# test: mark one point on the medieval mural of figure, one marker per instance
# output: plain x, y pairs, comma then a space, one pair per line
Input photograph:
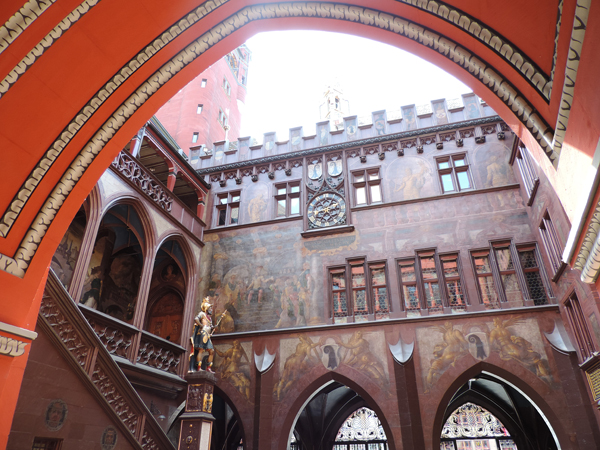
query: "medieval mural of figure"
446, 353
361, 357
513, 347
497, 172
297, 364
412, 183
256, 288
201, 336
235, 369
256, 209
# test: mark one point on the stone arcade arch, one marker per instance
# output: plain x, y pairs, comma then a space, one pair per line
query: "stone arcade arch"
455, 396
325, 384
55, 65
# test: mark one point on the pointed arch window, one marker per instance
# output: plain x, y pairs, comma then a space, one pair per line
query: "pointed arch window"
471, 427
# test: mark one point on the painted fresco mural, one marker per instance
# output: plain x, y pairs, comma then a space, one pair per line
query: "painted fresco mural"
296, 139
67, 252
323, 134
491, 166
512, 338
439, 111
264, 278
360, 350
233, 365
409, 117
379, 124
409, 178
472, 109
351, 129
258, 193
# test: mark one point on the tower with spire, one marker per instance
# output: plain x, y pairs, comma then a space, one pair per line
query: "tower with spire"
335, 106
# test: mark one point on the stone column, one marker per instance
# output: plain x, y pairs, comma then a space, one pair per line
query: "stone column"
197, 420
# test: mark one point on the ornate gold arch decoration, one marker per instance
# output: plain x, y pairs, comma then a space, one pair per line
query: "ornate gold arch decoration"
395, 24
20, 20
492, 39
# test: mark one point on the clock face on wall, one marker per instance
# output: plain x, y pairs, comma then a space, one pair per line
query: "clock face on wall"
326, 210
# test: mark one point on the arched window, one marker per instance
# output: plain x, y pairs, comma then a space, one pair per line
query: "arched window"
361, 431
472, 427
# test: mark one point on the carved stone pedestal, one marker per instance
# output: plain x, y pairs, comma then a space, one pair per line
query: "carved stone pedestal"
197, 420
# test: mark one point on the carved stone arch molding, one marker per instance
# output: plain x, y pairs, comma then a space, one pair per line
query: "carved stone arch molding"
402, 28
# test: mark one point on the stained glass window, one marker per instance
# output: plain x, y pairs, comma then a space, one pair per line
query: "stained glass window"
472, 427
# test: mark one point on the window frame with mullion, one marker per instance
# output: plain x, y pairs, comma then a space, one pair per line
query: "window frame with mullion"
430, 253
287, 197
332, 271
228, 206
516, 270
532, 246
453, 171
402, 283
454, 256
473, 255
367, 185
552, 245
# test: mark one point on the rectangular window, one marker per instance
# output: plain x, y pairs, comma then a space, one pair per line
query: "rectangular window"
533, 278
228, 208
46, 444
454, 290
226, 86
195, 137
410, 293
585, 344
431, 287
287, 199
367, 187
338, 294
203, 83
359, 289
508, 274
485, 279
454, 173
223, 118
552, 246
530, 179
199, 109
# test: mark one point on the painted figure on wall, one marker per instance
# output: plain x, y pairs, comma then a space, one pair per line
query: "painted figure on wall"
413, 182
235, 368
513, 347
441, 117
471, 107
409, 118
201, 337
296, 139
452, 347
379, 124
315, 171
361, 357
351, 129
297, 364
269, 143
497, 172
256, 209
324, 134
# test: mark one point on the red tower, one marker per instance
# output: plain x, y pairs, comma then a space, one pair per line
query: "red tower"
209, 109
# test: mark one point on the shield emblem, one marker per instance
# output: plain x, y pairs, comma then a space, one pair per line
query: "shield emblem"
315, 171
331, 356
334, 167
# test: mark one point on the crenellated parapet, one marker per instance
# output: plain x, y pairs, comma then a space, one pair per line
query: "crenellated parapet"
354, 128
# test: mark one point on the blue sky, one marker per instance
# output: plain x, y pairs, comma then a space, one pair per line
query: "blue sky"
290, 69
